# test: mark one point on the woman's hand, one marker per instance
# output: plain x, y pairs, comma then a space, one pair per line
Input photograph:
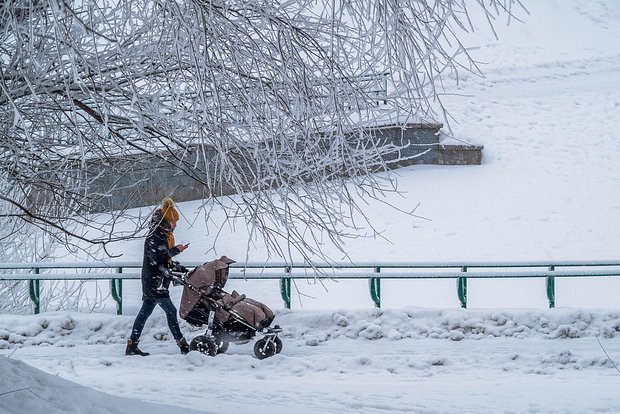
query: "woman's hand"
182, 247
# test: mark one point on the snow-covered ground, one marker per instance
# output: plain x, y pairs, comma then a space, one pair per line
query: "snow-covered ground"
548, 115
367, 361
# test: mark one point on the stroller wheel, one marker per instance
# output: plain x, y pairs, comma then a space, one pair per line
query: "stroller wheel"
204, 344
278, 343
222, 346
264, 349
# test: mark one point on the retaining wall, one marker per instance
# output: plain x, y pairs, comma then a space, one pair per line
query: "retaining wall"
152, 180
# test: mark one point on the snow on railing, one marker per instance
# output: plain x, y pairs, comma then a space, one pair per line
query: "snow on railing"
116, 272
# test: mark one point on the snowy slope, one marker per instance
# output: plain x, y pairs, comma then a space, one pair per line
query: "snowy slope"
548, 115
24, 389
547, 112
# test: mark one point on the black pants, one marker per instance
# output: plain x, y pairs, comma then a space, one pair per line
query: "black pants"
148, 304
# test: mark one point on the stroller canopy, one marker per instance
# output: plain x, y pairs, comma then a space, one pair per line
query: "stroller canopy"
205, 278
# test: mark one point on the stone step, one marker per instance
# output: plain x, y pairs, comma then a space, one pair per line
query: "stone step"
421, 145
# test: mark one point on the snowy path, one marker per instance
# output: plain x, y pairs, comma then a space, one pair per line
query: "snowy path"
422, 362
347, 376
567, 76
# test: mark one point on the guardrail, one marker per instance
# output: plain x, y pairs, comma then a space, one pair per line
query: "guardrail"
374, 272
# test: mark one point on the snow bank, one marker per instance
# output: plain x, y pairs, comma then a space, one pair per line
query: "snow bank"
63, 329
25, 389
453, 325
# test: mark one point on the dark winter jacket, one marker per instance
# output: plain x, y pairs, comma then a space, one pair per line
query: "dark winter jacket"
157, 259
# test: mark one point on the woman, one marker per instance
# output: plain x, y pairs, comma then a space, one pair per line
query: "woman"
159, 248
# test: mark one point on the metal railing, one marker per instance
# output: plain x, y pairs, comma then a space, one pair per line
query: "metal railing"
374, 272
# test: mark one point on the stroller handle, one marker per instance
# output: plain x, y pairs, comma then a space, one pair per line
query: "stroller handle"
173, 274
178, 278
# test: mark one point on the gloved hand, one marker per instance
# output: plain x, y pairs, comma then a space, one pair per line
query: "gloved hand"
178, 267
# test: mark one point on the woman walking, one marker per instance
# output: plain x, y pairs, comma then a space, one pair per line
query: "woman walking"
159, 249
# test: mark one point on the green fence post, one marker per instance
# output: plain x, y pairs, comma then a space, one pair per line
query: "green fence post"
116, 288
375, 288
285, 288
461, 284
551, 288
35, 292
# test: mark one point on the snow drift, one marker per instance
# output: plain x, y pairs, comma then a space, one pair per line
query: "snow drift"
24, 389
64, 329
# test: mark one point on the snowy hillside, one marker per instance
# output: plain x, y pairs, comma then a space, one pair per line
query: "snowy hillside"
548, 115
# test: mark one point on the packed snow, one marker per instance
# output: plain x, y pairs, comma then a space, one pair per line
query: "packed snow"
408, 360
548, 115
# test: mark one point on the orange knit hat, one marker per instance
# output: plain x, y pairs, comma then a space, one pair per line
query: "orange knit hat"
170, 214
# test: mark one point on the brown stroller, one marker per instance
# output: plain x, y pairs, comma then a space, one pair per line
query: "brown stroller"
230, 317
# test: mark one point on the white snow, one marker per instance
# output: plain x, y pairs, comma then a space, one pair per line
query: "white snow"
548, 115
29, 390
408, 360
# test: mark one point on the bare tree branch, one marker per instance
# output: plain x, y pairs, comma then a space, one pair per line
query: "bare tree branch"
266, 99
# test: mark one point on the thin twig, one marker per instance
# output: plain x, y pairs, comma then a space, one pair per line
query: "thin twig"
11, 392
608, 357
25, 389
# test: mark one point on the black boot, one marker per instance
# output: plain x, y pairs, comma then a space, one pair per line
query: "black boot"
183, 346
132, 348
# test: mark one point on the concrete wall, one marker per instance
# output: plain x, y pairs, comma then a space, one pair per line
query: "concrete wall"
458, 155
150, 179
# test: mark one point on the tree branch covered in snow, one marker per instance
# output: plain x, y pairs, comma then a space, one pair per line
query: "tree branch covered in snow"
269, 99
